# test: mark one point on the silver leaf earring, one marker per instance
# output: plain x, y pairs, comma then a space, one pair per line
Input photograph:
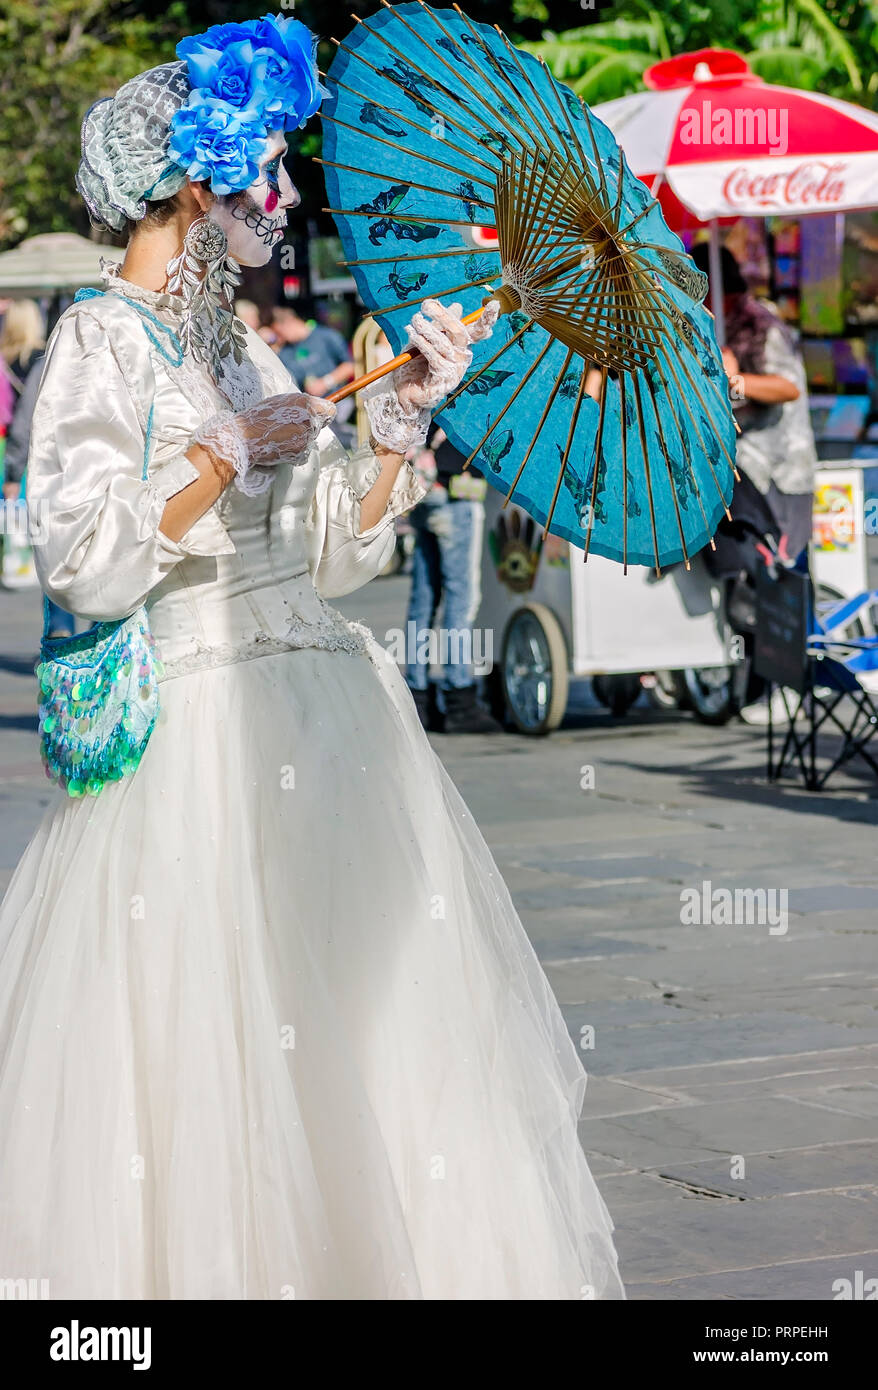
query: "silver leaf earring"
206, 277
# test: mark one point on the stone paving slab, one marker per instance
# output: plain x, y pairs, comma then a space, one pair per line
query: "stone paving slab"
844, 1166
679, 1037
690, 1079
713, 1236
655, 1138
810, 1280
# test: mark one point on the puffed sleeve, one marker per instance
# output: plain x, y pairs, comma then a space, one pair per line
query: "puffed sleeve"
343, 557
98, 548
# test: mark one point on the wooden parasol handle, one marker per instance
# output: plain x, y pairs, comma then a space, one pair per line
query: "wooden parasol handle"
379, 372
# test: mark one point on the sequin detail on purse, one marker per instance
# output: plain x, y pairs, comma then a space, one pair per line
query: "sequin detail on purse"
99, 701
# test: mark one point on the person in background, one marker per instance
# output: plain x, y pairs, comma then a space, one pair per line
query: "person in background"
775, 453
248, 313
22, 344
449, 525
22, 340
319, 359
776, 446
60, 622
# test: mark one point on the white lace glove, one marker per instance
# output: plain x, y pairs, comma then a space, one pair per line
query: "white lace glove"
280, 429
399, 406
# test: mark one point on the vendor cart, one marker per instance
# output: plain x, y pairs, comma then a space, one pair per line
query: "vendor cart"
550, 615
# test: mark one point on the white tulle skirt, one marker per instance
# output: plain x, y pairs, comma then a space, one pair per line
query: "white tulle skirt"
270, 1026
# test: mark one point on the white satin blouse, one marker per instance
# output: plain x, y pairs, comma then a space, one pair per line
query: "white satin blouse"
115, 414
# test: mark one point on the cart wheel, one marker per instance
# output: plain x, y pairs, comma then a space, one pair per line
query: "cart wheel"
534, 668
618, 693
711, 693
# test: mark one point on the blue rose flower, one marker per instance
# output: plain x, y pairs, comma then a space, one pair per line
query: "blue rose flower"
217, 37
238, 74
212, 140
295, 70
285, 86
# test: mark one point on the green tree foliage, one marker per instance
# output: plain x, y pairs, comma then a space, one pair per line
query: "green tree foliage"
825, 45
56, 58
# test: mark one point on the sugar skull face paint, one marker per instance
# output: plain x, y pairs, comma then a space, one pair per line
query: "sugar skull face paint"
254, 220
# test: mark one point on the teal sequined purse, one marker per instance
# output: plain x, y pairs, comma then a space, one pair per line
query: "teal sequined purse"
99, 701
99, 695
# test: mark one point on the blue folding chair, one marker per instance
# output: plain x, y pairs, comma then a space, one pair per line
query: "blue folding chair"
816, 659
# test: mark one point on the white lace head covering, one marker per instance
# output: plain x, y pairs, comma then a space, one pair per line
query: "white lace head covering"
235, 81
125, 138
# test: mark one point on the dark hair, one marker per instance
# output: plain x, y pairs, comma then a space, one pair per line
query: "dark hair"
157, 214
733, 280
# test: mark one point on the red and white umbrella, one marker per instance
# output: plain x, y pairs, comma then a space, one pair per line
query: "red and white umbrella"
712, 139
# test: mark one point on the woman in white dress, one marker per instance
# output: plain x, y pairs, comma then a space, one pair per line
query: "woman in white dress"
269, 1024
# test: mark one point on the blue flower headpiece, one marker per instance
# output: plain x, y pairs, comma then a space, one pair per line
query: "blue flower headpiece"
246, 79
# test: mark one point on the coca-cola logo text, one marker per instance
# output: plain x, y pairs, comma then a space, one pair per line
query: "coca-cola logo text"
817, 183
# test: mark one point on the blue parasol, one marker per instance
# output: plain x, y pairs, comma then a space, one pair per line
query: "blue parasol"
600, 405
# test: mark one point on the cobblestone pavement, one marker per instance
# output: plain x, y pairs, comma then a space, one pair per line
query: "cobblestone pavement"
732, 1108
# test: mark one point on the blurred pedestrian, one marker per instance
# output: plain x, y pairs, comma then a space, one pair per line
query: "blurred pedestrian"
449, 525
776, 446
248, 313
316, 355
22, 344
60, 622
22, 339
776, 455
320, 360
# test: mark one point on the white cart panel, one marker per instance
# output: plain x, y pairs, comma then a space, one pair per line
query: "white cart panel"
612, 622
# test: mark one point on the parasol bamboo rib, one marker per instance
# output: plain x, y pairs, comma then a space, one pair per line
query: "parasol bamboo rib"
653, 203
467, 383
598, 163
597, 464
452, 289
663, 349
426, 255
407, 59
409, 183
574, 421
516, 57
393, 145
542, 226
657, 290
524, 380
547, 407
403, 116
694, 423
522, 70
400, 217
448, 120
656, 313
647, 472
684, 451
528, 142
